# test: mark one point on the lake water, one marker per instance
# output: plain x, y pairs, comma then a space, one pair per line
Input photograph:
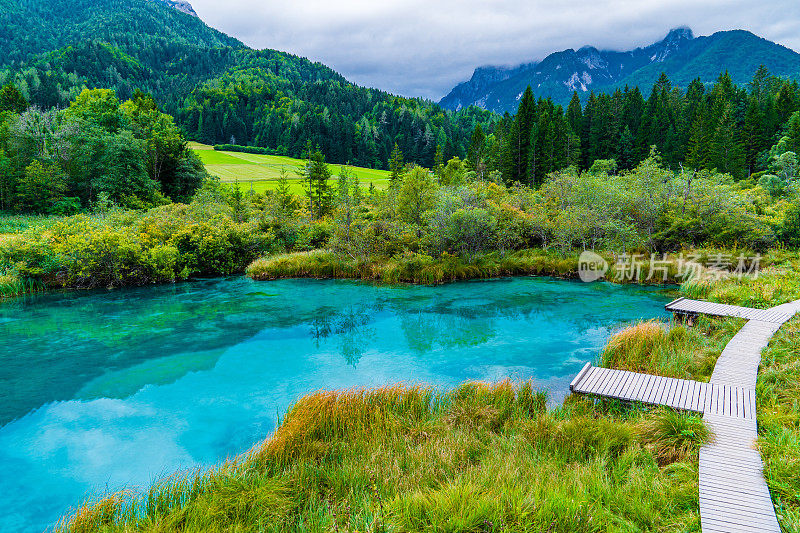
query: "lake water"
106, 390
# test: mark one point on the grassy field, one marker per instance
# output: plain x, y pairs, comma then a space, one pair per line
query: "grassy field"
261, 172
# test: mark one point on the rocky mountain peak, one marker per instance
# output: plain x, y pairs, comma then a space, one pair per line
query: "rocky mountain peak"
181, 5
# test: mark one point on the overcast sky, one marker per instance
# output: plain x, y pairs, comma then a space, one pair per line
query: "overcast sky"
425, 47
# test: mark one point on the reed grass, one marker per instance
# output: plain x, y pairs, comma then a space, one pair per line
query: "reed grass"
671, 349
482, 457
11, 285
778, 404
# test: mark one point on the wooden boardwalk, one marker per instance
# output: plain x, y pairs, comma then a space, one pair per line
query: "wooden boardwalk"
687, 395
733, 493
684, 306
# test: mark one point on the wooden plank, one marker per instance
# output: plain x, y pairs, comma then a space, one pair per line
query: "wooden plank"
627, 393
622, 378
670, 392
590, 379
689, 396
580, 375
662, 388
639, 392
603, 375
611, 376
675, 399
652, 386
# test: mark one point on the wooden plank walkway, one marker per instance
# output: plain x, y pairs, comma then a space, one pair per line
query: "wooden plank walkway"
685, 306
733, 493
683, 394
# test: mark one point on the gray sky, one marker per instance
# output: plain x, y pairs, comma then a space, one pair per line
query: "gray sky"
424, 48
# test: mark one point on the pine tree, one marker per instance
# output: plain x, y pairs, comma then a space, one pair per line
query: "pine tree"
754, 138
726, 154
283, 192
696, 148
438, 160
525, 119
12, 100
475, 151
395, 166
315, 174
588, 149
574, 112
793, 133
625, 157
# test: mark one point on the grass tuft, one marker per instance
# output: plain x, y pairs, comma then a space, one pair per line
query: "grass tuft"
673, 436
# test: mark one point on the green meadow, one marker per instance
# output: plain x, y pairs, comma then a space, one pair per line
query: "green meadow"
259, 172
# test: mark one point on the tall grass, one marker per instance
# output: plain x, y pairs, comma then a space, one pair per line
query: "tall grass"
778, 405
411, 268
670, 349
673, 436
420, 268
482, 457
11, 285
777, 283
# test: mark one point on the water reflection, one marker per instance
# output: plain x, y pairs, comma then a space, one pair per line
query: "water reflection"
103, 390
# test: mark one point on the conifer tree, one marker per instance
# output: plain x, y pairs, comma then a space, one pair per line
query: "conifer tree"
475, 151
395, 166
754, 138
574, 112
526, 117
726, 154
315, 174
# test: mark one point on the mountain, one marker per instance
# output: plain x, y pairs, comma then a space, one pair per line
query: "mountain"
29, 28
182, 6
681, 55
218, 89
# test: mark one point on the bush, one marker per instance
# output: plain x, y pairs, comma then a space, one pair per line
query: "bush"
164, 244
244, 149
673, 436
790, 228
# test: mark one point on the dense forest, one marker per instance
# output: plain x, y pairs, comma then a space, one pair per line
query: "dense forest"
221, 92
735, 130
218, 90
97, 151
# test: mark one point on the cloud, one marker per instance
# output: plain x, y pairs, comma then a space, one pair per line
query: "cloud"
424, 48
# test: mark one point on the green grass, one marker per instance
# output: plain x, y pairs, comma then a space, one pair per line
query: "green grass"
411, 267
778, 404
259, 172
671, 350
777, 283
480, 458
14, 224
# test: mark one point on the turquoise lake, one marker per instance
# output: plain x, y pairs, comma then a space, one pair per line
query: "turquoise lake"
105, 390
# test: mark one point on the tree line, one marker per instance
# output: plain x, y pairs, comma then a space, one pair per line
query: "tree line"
724, 127
96, 151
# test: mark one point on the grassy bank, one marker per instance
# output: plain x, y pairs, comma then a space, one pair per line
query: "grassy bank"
479, 458
779, 422
412, 268
421, 268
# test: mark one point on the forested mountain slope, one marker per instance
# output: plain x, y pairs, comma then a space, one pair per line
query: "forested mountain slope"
218, 89
680, 55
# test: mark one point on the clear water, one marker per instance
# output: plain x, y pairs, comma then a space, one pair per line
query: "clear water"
107, 390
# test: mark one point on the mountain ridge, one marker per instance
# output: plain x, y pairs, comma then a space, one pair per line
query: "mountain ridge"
680, 54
